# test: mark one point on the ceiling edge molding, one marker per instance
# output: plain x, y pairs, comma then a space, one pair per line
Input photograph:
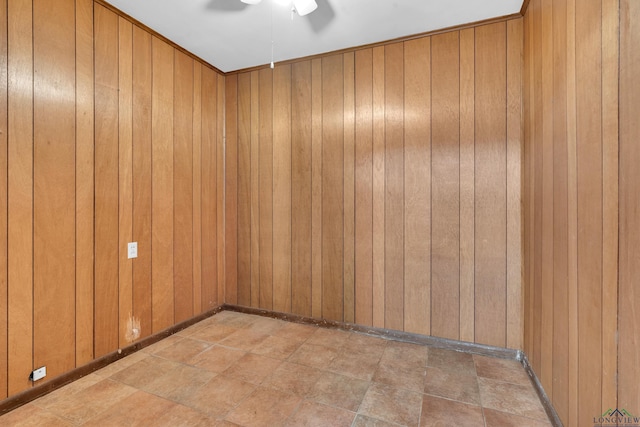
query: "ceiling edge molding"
156, 34
503, 18
474, 24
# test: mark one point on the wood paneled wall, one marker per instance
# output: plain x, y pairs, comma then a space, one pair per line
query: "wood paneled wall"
382, 186
107, 135
571, 203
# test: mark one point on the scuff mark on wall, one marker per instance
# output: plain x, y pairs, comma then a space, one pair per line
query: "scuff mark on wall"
133, 328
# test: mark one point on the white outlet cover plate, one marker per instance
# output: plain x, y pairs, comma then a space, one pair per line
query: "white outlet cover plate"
132, 250
39, 373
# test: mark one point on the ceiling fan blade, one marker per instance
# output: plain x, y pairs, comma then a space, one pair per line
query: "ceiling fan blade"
251, 1
304, 7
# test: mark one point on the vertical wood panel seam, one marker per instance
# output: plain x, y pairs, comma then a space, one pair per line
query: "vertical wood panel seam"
372, 191
321, 163
119, 189
290, 225
193, 212
131, 236
93, 47
251, 230
173, 186
459, 184
150, 93
602, 207
403, 182
75, 187
572, 95
404, 190
431, 185
33, 191
273, 181
6, 272
343, 179
475, 198
506, 184
578, 239
237, 142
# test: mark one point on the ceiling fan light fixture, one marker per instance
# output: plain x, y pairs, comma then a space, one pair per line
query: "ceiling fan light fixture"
304, 7
251, 1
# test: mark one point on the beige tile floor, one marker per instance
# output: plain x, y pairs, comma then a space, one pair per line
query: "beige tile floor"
237, 369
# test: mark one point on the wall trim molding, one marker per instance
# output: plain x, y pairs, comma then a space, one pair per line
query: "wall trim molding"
27, 396
390, 334
460, 27
546, 402
154, 33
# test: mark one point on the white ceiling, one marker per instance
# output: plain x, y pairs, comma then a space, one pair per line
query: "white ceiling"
231, 35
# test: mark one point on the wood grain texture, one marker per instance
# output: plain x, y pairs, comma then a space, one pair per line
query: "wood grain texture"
106, 181
231, 190
4, 308
282, 207
162, 196
610, 186
255, 189
78, 116
515, 329
333, 187
265, 158
571, 132
301, 194
589, 180
467, 185
417, 186
84, 182
142, 131
572, 178
537, 184
244, 208
183, 187
20, 199
378, 283
209, 265
197, 187
360, 183
219, 185
560, 217
125, 176
547, 208
445, 184
527, 187
316, 188
349, 187
394, 186
490, 208
364, 187
629, 294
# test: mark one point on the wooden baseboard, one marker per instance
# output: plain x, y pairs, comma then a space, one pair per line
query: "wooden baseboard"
467, 347
27, 396
546, 403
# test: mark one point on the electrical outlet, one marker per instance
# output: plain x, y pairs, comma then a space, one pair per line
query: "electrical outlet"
38, 374
132, 250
